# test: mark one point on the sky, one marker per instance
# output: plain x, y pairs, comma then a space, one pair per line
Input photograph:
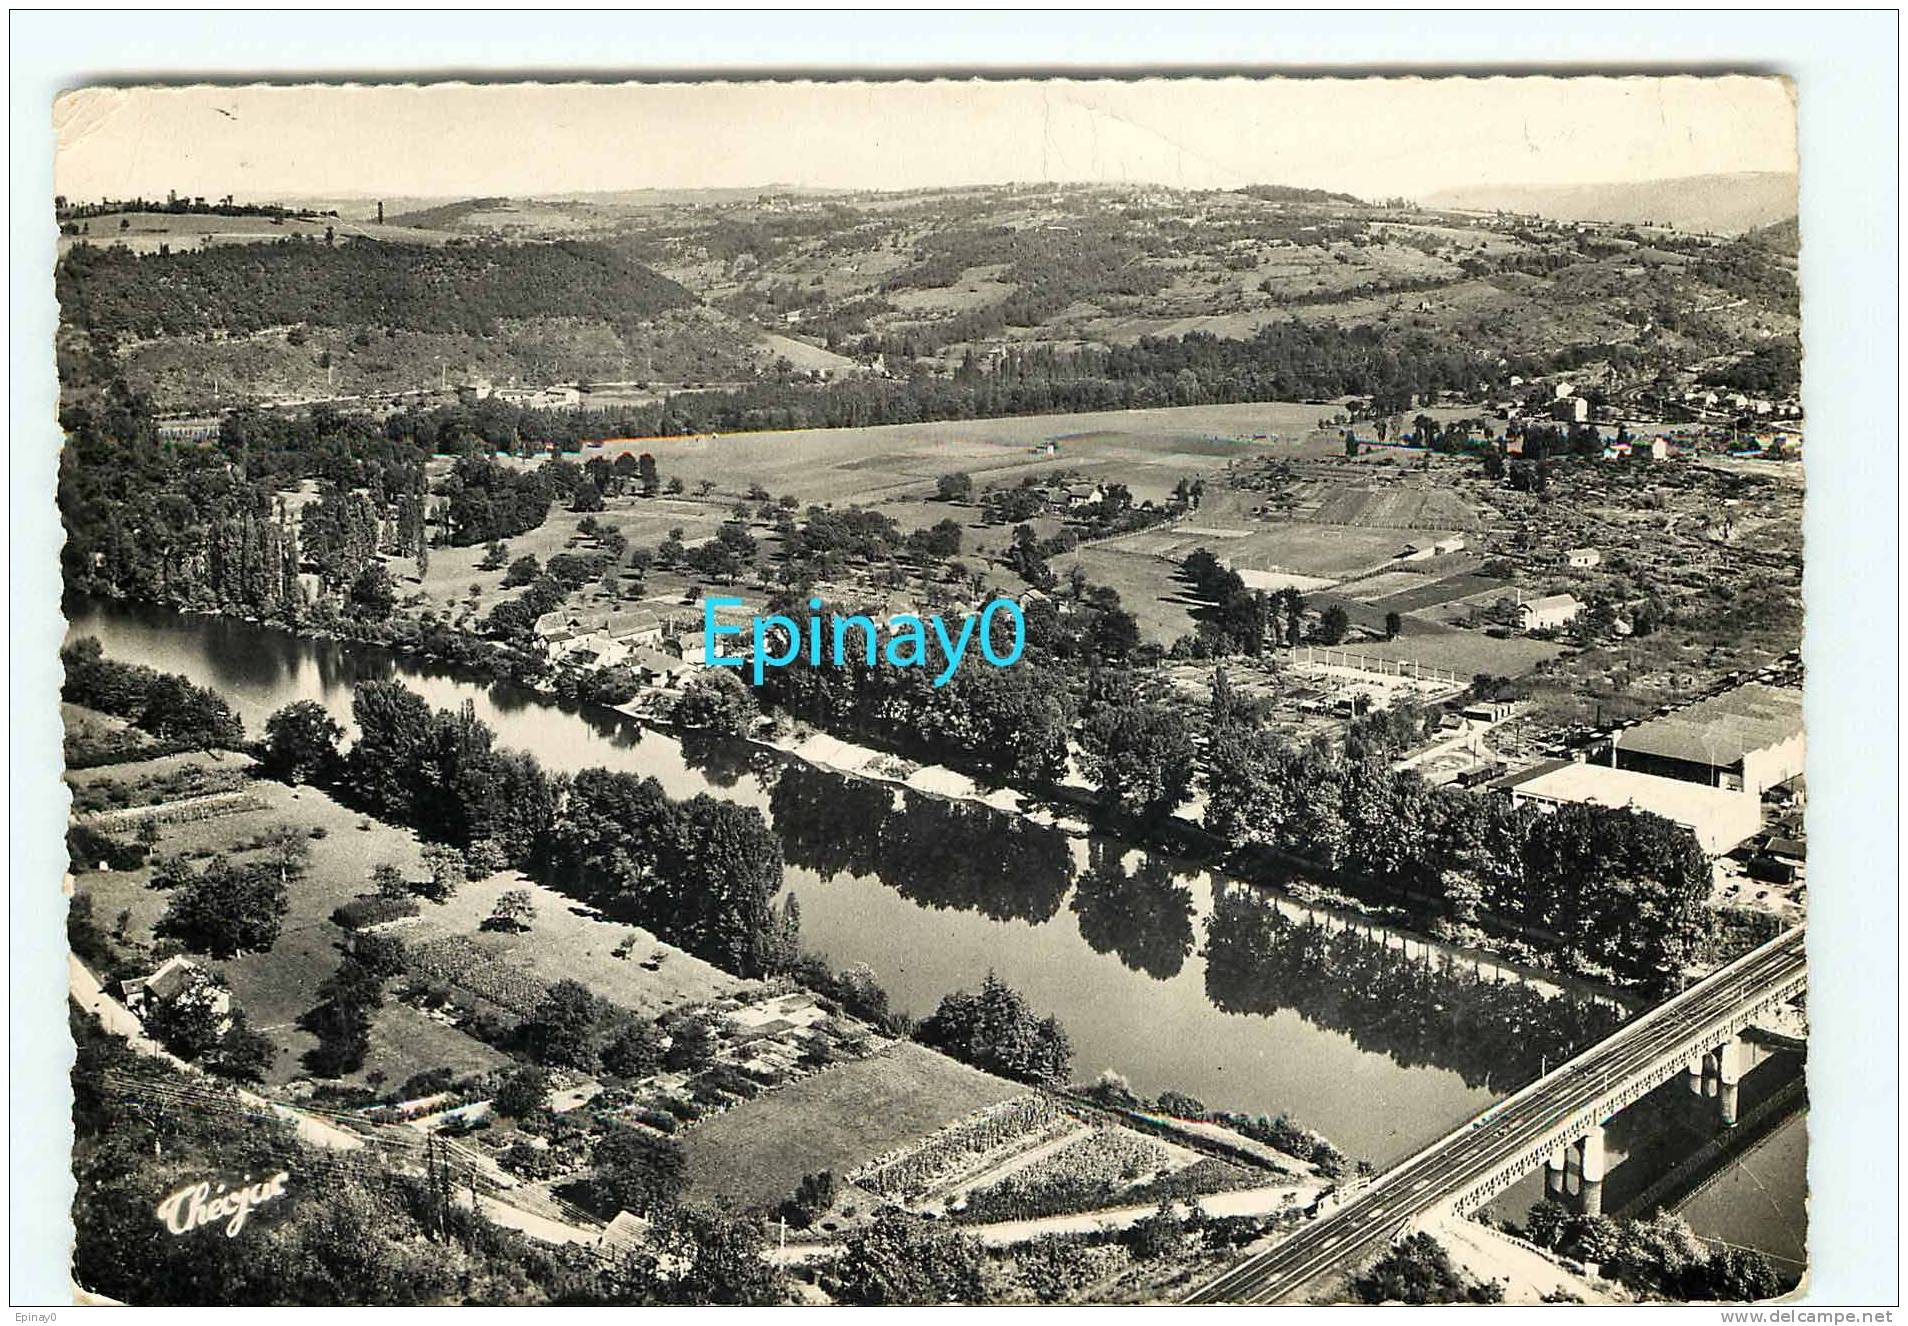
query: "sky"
1374, 137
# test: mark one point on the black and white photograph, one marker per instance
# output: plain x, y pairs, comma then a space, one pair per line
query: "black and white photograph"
900, 691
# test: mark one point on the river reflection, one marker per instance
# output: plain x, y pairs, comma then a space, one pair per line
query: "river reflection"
939, 853
1144, 915
1377, 1047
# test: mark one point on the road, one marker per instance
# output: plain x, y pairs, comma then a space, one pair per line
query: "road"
1457, 1164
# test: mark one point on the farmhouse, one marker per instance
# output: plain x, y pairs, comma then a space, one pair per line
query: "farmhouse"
1746, 739
1582, 558
599, 639
546, 398
178, 977
1552, 611
1720, 819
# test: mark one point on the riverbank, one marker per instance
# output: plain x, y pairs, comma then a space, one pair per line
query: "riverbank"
930, 894
1333, 908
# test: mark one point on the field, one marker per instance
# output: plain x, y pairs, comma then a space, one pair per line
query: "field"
571, 941
755, 1153
144, 232
276, 988
645, 522
1149, 450
1466, 653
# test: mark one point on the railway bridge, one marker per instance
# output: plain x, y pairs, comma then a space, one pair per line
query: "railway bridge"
1556, 1122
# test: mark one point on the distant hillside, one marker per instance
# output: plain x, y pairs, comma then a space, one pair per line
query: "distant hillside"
1725, 203
1782, 237
1285, 193
446, 215
358, 284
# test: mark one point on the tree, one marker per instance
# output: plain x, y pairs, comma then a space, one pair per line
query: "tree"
813, 1196
692, 1043
1740, 1275
341, 1020
189, 1023
242, 1054
1546, 1224
1140, 757
522, 1093
697, 1256
387, 881
301, 742
562, 1028
646, 473
446, 865
957, 487
228, 909
1595, 1238
1418, 1270
1159, 1234
716, 701
177, 709
1394, 623
523, 571
902, 1260
1333, 624
380, 954
1115, 634
636, 1173
372, 595
514, 909
995, 1029
636, 1051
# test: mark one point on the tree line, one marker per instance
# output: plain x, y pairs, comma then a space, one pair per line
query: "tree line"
458, 286
700, 874
1617, 893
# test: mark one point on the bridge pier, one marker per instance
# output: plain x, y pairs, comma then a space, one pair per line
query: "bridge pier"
1693, 1074
1556, 1175
1591, 1163
1730, 1057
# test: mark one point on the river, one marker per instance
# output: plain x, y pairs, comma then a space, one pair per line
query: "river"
1380, 1049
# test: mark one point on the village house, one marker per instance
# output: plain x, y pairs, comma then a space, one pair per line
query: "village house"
1549, 612
1570, 410
599, 639
1582, 559
177, 978
541, 398
1082, 494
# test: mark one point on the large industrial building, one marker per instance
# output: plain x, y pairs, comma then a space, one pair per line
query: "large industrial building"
1747, 739
1720, 819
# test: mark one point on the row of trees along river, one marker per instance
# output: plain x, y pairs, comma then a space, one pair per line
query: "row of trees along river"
1164, 974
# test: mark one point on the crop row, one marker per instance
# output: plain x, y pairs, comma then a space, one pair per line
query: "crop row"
1082, 1175
457, 961
963, 1147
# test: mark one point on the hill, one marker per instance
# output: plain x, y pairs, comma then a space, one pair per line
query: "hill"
1285, 193
147, 231
944, 288
359, 283
1782, 237
1729, 204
